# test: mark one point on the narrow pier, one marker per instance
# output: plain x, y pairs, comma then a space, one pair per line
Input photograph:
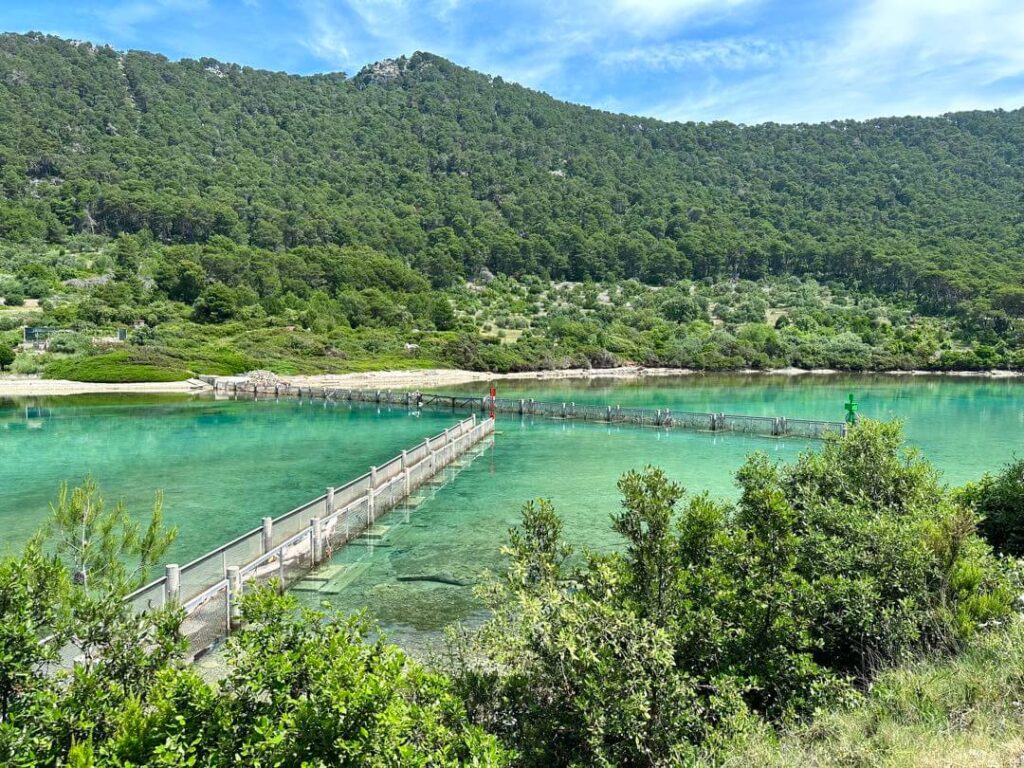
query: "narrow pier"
288, 547
769, 426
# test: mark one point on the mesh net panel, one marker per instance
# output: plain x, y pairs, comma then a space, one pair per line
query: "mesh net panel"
297, 558
206, 619
244, 550
351, 491
200, 575
288, 525
149, 597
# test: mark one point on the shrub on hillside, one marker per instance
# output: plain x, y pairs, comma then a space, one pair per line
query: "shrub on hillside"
6, 356
115, 368
999, 499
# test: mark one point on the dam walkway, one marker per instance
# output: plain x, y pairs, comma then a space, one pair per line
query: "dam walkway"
770, 426
287, 548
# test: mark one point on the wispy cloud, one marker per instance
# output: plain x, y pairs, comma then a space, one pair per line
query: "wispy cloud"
884, 58
731, 54
125, 17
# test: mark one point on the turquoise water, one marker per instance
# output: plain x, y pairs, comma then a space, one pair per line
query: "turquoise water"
225, 464
456, 534
964, 426
222, 465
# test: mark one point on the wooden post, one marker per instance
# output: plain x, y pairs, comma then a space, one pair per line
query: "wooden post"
317, 526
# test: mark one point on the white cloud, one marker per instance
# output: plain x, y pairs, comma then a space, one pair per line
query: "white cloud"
124, 17
876, 57
886, 58
730, 54
650, 15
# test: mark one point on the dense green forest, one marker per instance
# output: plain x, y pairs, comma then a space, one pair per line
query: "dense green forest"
353, 210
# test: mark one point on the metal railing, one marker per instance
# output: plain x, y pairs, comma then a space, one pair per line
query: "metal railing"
286, 548
774, 426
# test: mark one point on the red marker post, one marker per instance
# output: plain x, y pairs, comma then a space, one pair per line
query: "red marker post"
494, 394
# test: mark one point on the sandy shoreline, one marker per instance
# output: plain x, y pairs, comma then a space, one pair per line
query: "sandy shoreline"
428, 378
435, 378
26, 386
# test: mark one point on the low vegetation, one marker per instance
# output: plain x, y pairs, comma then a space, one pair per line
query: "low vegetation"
224, 308
844, 611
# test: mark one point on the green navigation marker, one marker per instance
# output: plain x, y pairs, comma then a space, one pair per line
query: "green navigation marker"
851, 410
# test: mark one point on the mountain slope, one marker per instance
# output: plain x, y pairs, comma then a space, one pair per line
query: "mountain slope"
452, 170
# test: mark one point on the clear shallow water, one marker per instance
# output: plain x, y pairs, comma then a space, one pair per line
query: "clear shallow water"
965, 426
222, 464
457, 533
225, 464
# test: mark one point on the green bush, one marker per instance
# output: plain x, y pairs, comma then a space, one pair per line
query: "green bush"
714, 616
114, 367
14, 297
6, 356
28, 363
999, 500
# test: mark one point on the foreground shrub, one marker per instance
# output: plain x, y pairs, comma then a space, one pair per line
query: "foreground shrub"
303, 688
999, 499
853, 558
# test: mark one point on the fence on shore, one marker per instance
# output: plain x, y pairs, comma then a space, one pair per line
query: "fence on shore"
286, 548
774, 426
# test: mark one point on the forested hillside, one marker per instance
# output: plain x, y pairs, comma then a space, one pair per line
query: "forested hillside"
422, 159
328, 201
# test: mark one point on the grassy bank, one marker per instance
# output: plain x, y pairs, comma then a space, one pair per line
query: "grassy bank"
963, 711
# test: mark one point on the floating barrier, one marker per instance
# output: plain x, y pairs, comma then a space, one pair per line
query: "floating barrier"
288, 547
772, 426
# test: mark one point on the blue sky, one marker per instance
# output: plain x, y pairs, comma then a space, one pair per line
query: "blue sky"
743, 60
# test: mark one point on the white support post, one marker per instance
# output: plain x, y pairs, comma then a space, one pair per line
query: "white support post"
318, 540
370, 507
172, 584
267, 539
373, 478
234, 596
329, 504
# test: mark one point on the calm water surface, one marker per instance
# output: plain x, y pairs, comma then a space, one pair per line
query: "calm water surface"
225, 464
221, 464
965, 426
